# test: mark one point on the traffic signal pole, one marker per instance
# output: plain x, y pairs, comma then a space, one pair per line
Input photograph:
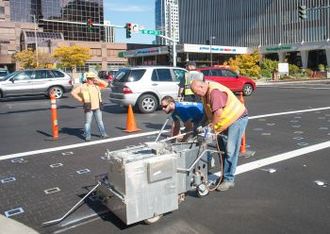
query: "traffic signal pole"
174, 47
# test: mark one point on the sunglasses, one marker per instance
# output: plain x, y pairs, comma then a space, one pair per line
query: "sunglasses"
165, 106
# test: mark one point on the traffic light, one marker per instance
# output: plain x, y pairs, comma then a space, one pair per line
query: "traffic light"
170, 53
302, 10
128, 30
90, 25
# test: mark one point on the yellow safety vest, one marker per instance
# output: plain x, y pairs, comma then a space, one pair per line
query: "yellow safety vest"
85, 93
189, 77
231, 111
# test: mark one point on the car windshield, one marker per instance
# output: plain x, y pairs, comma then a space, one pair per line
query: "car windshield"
8, 76
127, 75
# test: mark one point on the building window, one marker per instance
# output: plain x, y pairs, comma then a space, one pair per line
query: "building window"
2, 12
96, 52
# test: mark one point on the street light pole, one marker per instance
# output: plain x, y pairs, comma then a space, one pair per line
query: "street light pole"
36, 38
211, 42
174, 41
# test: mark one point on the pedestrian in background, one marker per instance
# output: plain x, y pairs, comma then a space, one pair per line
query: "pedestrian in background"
185, 92
191, 114
89, 94
228, 118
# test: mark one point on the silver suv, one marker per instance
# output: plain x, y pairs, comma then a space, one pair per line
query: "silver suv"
144, 87
35, 82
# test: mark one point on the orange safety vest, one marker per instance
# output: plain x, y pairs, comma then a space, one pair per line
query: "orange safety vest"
231, 111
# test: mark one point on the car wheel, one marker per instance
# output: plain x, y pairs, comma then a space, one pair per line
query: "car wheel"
247, 89
147, 103
58, 91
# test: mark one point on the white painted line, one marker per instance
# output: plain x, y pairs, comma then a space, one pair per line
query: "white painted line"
289, 112
66, 147
48, 150
279, 158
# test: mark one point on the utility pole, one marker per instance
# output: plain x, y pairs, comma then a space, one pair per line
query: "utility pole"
174, 47
36, 38
211, 42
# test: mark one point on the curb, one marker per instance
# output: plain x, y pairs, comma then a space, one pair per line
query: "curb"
12, 226
283, 82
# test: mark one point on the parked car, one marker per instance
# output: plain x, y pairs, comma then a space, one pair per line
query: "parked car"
229, 78
35, 82
144, 87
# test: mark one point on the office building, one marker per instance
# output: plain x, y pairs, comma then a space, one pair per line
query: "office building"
47, 24
271, 26
167, 19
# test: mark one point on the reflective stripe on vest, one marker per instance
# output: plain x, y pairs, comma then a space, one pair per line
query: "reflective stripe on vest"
230, 113
187, 89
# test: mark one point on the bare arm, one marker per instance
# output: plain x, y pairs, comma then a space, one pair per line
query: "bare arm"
76, 94
101, 83
175, 128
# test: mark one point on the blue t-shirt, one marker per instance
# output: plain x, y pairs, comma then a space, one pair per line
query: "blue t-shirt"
186, 111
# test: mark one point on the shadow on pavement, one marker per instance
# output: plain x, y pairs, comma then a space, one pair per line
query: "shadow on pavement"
78, 132
114, 109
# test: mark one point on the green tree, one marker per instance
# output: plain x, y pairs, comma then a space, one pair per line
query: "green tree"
267, 67
246, 64
26, 58
71, 56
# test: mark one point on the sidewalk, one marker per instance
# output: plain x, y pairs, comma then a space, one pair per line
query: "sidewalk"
11, 226
264, 82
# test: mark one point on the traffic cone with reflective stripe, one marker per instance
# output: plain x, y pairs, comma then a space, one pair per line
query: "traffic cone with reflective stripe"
243, 142
243, 151
53, 110
130, 121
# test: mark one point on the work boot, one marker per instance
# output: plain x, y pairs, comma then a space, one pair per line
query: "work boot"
104, 136
225, 185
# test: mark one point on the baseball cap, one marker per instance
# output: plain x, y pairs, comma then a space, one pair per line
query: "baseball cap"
90, 75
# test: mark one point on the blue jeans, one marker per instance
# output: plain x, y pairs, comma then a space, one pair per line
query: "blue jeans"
230, 143
88, 122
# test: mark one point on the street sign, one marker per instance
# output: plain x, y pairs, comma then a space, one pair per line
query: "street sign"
150, 32
135, 28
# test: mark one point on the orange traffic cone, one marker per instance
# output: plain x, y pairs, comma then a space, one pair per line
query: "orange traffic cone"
53, 110
243, 142
130, 121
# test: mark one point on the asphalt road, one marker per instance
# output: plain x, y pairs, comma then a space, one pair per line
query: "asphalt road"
278, 190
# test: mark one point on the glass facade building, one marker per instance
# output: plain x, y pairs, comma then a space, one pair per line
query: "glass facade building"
66, 16
253, 22
273, 26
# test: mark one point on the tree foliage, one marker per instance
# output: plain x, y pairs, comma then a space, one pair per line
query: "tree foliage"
26, 58
71, 56
267, 67
246, 64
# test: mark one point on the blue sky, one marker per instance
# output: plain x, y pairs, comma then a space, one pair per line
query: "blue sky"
141, 12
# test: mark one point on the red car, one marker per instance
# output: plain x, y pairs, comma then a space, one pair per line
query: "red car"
229, 78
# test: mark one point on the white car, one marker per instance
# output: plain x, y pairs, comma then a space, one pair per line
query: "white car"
35, 82
143, 87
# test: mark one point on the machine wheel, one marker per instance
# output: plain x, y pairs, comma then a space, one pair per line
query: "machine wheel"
202, 190
58, 91
147, 103
153, 219
247, 89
